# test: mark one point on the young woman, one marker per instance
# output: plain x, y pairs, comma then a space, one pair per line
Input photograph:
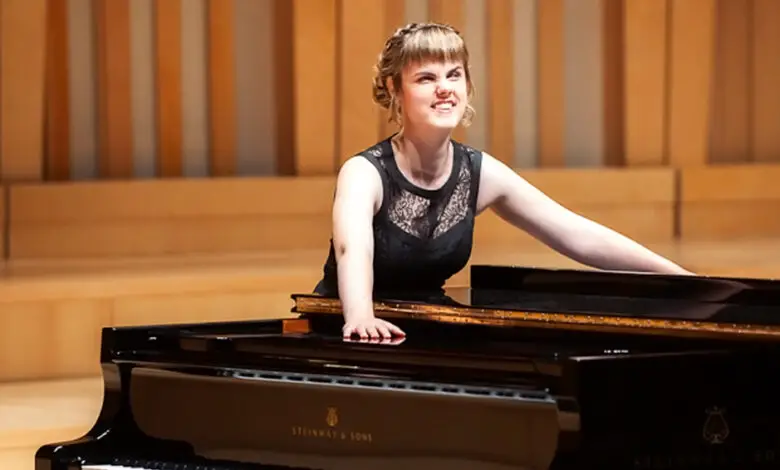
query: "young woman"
404, 209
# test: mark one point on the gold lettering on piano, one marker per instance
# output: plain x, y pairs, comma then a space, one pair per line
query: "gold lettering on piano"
330, 432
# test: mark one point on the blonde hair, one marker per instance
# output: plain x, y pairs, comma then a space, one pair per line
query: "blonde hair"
418, 42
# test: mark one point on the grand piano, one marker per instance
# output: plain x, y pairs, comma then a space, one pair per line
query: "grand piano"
524, 369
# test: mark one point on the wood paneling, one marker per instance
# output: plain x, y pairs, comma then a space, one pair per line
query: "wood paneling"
22, 84
154, 218
501, 143
613, 85
52, 315
83, 89
4, 222
692, 41
639, 203
362, 36
730, 201
221, 87
765, 75
525, 79
167, 46
57, 122
145, 90
732, 91
168, 217
115, 123
284, 87
315, 29
583, 78
195, 131
448, 12
551, 83
669, 94
646, 34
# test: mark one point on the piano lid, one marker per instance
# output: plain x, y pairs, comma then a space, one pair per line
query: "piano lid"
585, 300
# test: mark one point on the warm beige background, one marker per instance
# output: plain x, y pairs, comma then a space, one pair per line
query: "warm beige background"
148, 88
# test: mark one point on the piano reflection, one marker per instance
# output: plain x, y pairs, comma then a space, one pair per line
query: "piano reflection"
524, 369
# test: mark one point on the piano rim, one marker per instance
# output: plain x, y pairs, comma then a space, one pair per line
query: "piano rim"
317, 304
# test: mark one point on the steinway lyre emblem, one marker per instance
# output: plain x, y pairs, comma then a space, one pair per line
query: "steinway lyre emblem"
716, 429
332, 417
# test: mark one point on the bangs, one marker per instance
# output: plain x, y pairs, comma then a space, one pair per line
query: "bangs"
434, 44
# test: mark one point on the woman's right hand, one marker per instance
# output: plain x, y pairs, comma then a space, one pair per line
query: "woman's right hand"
371, 328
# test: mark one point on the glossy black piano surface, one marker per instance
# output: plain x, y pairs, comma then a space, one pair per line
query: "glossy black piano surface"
527, 369
633, 303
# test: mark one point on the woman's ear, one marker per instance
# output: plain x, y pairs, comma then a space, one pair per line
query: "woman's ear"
390, 86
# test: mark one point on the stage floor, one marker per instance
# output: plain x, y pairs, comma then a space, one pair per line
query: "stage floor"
739, 257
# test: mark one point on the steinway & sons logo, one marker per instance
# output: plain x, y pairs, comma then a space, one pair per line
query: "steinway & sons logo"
331, 430
716, 429
333, 417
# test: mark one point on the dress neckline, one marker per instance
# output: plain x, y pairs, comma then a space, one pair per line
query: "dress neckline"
408, 185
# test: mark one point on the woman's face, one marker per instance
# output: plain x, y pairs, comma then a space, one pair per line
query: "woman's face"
434, 94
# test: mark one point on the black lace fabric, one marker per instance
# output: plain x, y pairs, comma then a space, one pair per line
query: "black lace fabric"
421, 236
431, 217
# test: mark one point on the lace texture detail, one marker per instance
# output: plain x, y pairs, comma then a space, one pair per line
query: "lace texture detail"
425, 218
421, 238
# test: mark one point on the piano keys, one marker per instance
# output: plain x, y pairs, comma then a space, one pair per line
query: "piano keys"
524, 369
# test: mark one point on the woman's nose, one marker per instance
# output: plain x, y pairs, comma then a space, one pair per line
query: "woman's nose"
444, 88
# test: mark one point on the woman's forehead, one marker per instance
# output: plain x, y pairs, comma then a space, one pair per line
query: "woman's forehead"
432, 65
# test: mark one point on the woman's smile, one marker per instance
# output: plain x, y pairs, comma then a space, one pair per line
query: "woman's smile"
444, 106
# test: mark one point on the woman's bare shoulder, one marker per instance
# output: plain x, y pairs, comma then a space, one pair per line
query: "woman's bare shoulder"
359, 182
358, 170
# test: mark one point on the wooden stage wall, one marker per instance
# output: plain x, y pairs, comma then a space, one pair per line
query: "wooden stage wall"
141, 127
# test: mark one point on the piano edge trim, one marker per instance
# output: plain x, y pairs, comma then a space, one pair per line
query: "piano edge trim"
316, 304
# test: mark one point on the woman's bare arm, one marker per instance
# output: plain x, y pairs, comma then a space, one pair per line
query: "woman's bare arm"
358, 192
358, 198
575, 236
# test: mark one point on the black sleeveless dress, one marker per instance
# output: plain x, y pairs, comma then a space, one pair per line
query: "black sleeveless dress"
421, 237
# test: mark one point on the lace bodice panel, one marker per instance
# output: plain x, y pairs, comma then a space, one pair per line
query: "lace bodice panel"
421, 237
425, 217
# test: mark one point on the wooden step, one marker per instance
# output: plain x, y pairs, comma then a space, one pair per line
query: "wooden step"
36, 413
53, 311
